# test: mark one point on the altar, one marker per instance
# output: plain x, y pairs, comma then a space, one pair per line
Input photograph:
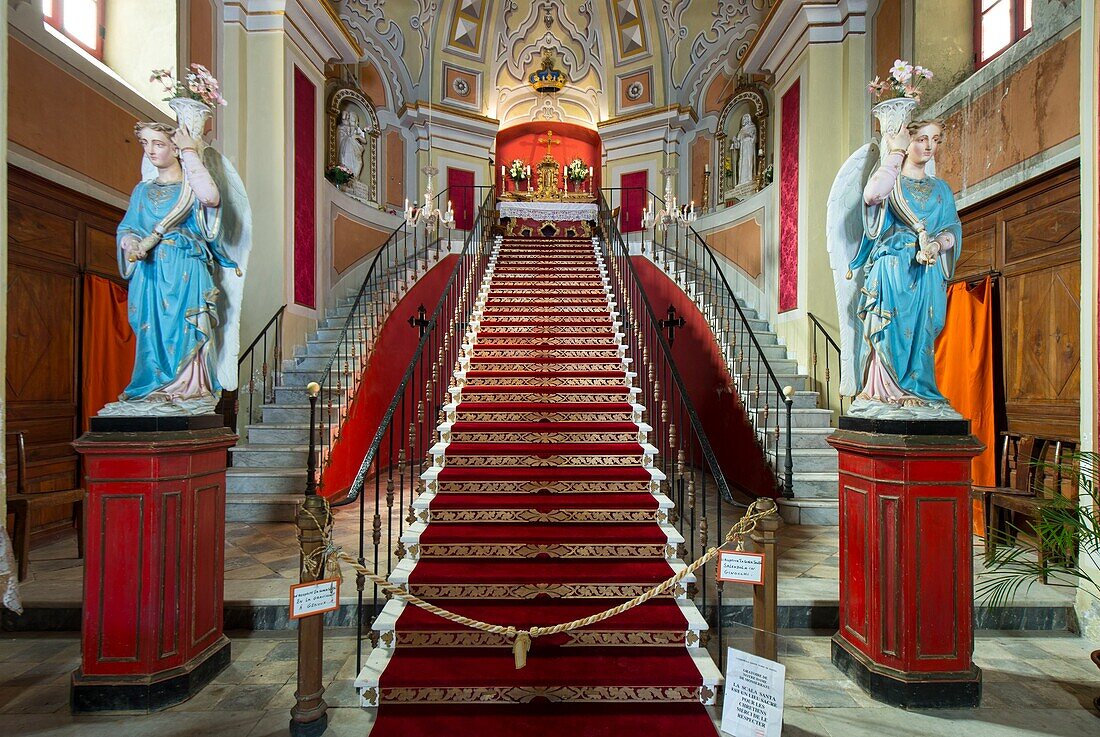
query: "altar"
556, 211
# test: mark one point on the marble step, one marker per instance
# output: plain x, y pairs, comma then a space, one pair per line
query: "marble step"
800, 417
264, 482
281, 433
815, 485
298, 395
316, 364
291, 412
247, 507
301, 377
812, 460
265, 455
804, 437
809, 511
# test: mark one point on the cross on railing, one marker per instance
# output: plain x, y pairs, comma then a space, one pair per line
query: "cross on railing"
420, 320
671, 324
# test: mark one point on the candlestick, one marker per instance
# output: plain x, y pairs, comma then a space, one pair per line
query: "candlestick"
706, 168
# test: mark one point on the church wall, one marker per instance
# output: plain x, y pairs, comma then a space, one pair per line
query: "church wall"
886, 31
522, 142
699, 158
943, 40
394, 146
742, 243
352, 241
201, 34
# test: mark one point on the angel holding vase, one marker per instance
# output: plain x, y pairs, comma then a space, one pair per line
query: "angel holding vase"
182, 246
893, 235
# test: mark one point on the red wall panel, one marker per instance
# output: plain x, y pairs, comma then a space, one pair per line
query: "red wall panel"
305, 191
521, 142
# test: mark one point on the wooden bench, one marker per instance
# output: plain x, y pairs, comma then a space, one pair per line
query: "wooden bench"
1031, 471
22, 503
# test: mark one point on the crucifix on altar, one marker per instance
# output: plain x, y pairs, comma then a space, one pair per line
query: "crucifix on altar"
548, 170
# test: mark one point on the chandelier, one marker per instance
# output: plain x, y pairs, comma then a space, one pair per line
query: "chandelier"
547, 80
673, 213
427, 213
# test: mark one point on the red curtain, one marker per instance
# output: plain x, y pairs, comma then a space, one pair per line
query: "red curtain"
460, 192
964, 372
635, 185
108, 357
305, 191
788, 198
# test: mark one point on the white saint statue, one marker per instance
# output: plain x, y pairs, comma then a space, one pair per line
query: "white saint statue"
745, 143
351, 142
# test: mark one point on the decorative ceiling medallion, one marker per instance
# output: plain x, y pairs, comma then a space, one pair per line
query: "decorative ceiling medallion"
634, 90
460, 86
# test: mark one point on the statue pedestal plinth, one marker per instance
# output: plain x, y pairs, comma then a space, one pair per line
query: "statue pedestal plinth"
153, 578
906, 562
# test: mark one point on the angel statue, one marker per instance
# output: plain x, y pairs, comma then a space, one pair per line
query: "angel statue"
183, 246
351, 142
893, 238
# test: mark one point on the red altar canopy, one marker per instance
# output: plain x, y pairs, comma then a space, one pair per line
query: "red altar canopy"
522, 142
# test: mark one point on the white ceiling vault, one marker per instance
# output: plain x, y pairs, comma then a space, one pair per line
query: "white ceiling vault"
481, 52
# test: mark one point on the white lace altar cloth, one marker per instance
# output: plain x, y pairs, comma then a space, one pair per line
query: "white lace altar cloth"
9, 575
549, 210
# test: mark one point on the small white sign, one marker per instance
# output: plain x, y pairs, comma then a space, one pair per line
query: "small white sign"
753, 704
738, 567
314, 598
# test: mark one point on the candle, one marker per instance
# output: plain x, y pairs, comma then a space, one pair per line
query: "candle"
501, 172
706, 168
528, 170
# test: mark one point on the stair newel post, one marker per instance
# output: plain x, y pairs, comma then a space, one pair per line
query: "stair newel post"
309, 715
788, 481
765, 598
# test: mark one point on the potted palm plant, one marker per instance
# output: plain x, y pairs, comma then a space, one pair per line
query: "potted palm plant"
1066, 531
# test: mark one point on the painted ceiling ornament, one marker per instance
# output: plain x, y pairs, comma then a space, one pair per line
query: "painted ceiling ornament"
547, 80
635, 90
735, 24
894, 237
382, 41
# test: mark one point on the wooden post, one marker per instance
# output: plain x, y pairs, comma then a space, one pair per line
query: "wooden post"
765, 598
309, 715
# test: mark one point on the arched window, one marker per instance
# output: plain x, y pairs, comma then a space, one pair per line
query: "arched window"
80, 20
997, 25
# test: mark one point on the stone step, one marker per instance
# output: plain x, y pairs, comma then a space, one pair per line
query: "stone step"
281, 433
809, 485
812, 460
360, 333
291, 412
264, 481
246, 507
316, 364
254, 455
805, 437
800, 417
809, 511
806, 400
301, 377
298, 395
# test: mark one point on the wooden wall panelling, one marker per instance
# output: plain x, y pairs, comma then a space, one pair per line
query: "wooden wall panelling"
55, 236
1032, 237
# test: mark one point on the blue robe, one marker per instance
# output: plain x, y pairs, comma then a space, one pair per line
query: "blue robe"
172, 297
903, 304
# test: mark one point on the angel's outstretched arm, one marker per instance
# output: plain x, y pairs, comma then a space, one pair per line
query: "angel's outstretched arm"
882, 181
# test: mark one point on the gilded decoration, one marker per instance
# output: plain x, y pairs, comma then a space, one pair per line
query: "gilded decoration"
523, 695
616, 516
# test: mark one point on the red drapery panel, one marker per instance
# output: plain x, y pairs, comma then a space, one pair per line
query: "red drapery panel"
788, 198
964, 372
522, 142
305, 191
460, 192
108, 355
635, 185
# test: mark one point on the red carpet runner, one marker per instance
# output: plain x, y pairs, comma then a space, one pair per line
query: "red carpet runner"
542, 507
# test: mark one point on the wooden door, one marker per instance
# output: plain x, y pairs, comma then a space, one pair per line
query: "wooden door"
1031, 239
460, 193
635, 185
55, 235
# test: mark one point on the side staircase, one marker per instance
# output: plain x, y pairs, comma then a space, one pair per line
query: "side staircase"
815, 461
268, 471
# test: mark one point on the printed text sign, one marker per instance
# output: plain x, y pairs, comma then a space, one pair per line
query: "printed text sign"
738, 567
753, 705
314, 598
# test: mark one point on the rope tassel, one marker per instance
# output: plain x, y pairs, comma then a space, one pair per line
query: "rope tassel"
521, 647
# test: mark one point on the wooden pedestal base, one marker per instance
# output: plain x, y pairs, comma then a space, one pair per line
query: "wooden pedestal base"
906, 562
151, 632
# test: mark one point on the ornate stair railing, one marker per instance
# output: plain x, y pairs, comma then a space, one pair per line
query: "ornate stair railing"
258, 370
388, 480
829, 360
682, 253
693, 476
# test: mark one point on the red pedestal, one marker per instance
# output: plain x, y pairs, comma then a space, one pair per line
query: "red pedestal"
906, 566
153, 578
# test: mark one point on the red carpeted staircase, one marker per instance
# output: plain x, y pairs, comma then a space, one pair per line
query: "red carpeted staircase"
542, 506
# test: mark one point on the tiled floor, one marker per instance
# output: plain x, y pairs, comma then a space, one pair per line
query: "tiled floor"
1034, 685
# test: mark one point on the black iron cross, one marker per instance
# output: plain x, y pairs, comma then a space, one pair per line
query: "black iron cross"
420, 321
671, 324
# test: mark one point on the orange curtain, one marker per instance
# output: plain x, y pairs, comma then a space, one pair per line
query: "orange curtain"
108, 358
964, 371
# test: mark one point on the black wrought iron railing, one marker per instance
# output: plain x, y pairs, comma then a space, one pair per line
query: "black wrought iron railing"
704, 501
825, 366
389, 481
258, 371
766, 394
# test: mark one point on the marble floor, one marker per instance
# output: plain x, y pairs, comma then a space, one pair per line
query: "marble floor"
1034, 685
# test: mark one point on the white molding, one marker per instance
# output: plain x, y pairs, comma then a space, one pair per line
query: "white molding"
1021, 172
319, 34
50, 170
793, 25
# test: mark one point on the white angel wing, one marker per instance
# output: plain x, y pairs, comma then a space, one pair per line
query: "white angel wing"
236, 239
843, 235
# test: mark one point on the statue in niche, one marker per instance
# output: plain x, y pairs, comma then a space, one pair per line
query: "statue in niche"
351, 142
183, 247
893, 240
745, 143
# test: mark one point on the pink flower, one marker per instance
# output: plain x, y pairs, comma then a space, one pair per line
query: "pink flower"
902, 71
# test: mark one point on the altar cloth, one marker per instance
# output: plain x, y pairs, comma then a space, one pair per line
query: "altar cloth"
549, 210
